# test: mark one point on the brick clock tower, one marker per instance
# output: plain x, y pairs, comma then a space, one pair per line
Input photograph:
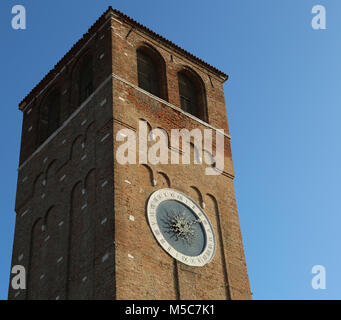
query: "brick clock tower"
90, 227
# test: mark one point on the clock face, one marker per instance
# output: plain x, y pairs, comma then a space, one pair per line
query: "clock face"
181, 227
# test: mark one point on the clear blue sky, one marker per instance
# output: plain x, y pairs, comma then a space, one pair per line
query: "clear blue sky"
283, 103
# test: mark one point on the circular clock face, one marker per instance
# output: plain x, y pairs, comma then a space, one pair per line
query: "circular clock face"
181, 227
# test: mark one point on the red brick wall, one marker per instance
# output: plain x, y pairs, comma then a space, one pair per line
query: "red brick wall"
73, 230
143, 269
64, 224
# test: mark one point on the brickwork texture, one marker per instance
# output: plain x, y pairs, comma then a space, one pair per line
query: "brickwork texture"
81, 223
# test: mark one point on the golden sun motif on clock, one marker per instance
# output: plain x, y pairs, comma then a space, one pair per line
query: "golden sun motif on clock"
181, 227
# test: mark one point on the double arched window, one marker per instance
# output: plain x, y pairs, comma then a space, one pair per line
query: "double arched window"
151, 71
192, 94
49, 115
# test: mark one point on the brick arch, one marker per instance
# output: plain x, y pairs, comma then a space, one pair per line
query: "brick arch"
76, 147
212, 208
36, 288
46, 216
196, 154
90, 133
160, 64
73, 233
89, 143
196, 195
56, 241
164, 180
87, 176
145, 176
90, 186
149, 126
50, 172
46, 178
81, 238
195, 79
38, 183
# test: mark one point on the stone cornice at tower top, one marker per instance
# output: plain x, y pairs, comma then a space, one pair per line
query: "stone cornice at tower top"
61, 64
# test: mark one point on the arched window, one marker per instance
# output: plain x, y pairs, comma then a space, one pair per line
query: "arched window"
151, 71
192, 94
85, 79
49, 116
147, 73
188, 94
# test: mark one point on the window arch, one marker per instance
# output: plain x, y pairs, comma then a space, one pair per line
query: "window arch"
49, 115
151, 71
192, 94
85, 80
